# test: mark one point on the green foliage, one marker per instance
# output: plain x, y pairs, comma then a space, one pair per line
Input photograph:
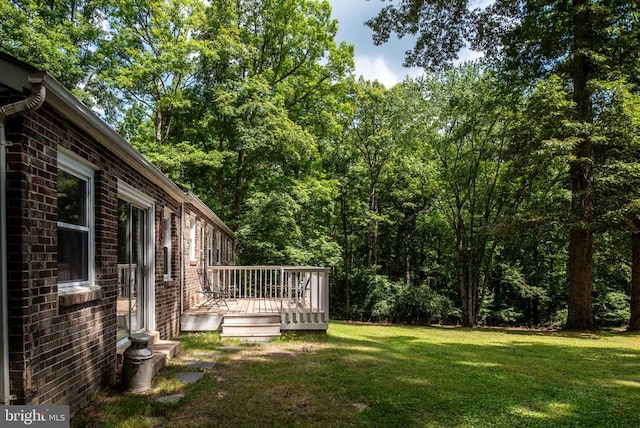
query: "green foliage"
446, 198
57, 36
611, 309
381, 299
422, 305
397, 302
150, 55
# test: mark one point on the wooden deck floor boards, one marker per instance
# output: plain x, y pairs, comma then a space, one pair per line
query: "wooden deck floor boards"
211, 317
241, 306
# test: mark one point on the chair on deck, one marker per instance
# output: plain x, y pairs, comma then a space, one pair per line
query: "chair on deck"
214, 295
299, 291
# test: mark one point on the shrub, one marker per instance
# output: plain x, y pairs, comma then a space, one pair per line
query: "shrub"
422, 305
612, 309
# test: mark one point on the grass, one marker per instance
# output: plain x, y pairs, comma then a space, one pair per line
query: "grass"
389, 376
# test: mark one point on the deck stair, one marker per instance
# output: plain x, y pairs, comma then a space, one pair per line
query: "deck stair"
251, 327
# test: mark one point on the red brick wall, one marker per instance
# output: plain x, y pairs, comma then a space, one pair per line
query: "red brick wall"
192, 283
63, 350
191, 268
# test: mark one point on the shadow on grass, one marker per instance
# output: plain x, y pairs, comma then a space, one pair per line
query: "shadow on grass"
372, 375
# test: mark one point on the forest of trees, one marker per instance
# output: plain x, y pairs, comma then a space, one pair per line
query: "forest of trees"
504, 191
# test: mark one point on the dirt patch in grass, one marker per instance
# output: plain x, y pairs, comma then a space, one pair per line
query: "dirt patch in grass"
361, 407
258, 353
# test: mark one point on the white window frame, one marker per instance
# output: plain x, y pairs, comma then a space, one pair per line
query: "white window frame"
193, 257
85, 172
202, 258
167, 227
209, 246
218, 247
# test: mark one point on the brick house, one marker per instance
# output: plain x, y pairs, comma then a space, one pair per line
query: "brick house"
96, 243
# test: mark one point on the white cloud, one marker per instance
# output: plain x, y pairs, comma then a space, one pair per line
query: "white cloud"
378, 68
382, 63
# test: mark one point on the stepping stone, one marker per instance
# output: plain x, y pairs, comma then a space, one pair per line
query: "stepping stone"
207, 355
205, 365
189, 377
230, 348
169, 398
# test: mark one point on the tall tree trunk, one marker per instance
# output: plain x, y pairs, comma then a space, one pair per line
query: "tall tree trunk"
373, 231
220, 177
468, 290
239, 184
580, 307
634, 321
346, 255
407, 268
158, 124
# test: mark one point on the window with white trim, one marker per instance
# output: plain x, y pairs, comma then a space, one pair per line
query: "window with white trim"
202, 243
192, 239
167, 245
209, 246
75, 222
218, 246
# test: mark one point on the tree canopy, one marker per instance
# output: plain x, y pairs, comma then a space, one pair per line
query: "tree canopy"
502, 191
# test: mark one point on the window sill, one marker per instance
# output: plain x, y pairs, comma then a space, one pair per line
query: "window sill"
76, 295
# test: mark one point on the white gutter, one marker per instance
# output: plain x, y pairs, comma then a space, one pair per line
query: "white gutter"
64, 101
31, 103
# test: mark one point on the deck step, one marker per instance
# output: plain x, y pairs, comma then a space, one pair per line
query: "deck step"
200, 322
264, 329
251, 319
252, 338
251, 327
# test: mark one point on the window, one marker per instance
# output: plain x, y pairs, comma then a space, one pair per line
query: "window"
209, 247
192, 239
202, 238
218, 247
75, 222
167, 245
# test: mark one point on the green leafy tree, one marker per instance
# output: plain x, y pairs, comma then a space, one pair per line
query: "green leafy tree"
578, 39
616, 130
375, 148
486, 170
58, 36
151, 51
264, 90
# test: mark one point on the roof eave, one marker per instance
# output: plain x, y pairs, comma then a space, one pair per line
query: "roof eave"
66, 103
210, 214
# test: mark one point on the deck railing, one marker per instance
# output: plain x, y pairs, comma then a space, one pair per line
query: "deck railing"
302, 291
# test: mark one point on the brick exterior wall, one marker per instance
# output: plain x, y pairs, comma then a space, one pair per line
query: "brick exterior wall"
191, 268
61, 350
63, 347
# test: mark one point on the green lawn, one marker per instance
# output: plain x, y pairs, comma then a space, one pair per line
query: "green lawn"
396, 376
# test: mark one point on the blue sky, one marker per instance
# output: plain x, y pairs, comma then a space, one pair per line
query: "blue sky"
382, 63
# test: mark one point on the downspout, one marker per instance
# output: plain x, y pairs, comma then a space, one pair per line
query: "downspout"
10, 110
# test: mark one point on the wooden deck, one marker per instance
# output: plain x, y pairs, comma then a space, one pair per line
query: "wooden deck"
280, 298
290, 316
241, 306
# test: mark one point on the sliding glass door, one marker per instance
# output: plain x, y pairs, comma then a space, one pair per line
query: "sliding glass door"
133, 272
